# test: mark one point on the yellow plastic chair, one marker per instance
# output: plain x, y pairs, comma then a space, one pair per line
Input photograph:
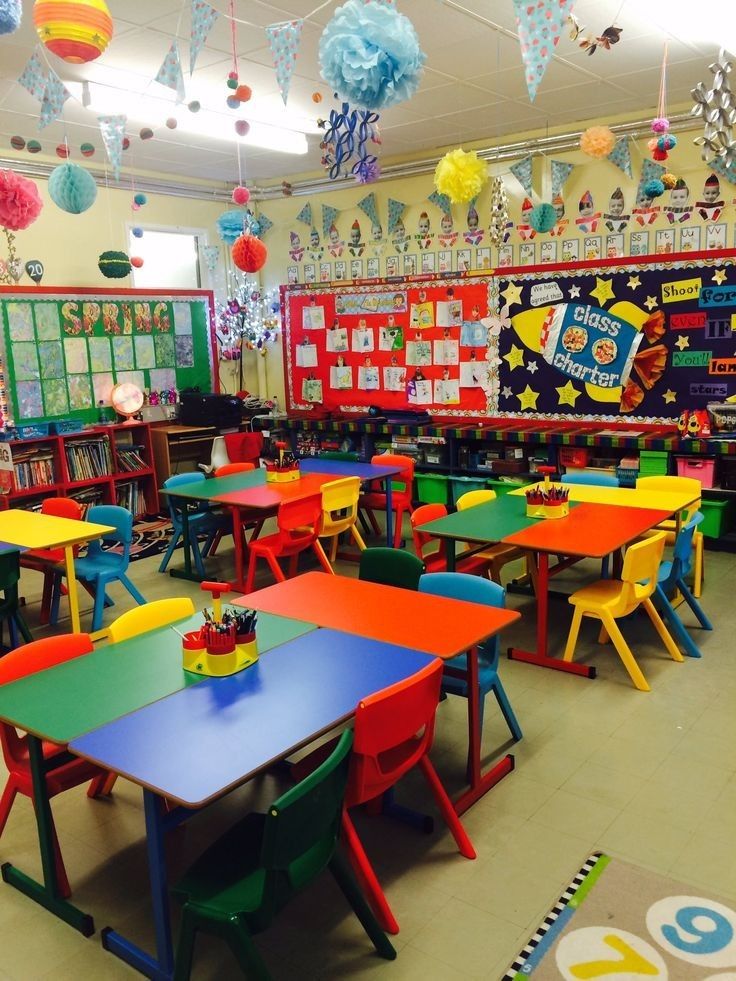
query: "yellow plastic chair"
141, 619
610, 599
340, 512
686, 484
497, 556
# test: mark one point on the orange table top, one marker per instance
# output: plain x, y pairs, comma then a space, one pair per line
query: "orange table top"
592, 530
433, 624
271, 495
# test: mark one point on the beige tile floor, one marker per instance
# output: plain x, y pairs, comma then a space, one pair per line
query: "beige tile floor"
650, 778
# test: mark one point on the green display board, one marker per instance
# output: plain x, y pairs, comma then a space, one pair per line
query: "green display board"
63, 350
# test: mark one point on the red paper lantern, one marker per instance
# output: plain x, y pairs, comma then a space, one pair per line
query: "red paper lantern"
249, 253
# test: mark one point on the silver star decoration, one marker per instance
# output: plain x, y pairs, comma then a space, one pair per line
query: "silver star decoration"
574, 292
532, 367
506, 392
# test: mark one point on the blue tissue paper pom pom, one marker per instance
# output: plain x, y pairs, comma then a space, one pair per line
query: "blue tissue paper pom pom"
72, 188
10, 15
370, 54
653, 188
543, 218
230, 225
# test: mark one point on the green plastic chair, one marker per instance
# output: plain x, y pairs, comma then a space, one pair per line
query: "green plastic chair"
10, 603
236, 888
391, 567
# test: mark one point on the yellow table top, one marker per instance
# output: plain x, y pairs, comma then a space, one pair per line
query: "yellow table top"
29, 529
630, 497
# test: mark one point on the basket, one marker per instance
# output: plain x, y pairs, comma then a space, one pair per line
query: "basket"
723, 415
700, 467
61, 426
37, 431
627, 476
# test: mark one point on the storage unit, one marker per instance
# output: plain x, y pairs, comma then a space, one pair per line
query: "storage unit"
461, 485
653, 463
431, 488
717, 517
700, 467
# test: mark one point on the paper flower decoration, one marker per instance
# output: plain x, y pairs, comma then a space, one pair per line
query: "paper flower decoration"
10, 15
460, 175
597, 142
114, 265
369, 53
76, 30
230, 225
543, 218
20, 202
249, 253
653, 188
72, 188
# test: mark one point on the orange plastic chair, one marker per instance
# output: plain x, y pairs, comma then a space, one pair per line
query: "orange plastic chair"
24, 661
224, 471
394, 730
44, 559
693, 485
435, 559
228, 468
610, 599
340, 512
497, 556
401, 493
299, 523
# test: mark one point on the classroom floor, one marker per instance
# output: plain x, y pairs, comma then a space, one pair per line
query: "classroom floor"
650, 778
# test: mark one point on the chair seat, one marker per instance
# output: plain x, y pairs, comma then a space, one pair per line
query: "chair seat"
106, 564
275, 544
505, 552
377, 499
605, 592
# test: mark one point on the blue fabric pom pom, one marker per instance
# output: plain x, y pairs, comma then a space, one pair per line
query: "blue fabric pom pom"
72, 188
370, 54
10, 15
543, 218
653, 188
231, 225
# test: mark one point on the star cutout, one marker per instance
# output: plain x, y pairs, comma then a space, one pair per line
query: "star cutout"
515, 357
650, 302
528, 398
719, 276
567, 394
506, 392
634, 282
574, 292
669, 396
603, 290
682, 342
532, 367
512, 294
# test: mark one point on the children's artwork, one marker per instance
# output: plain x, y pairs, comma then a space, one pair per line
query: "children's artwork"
145, 356
444, 259
310, 274
136, 378
75, 354
48, 327
184, 352
312, 389
548, 252
100, 353
483, 258
122, 349
391, 338
30, 402
447, 391
316, 249
102, 386
306, 355
52, 359
368, 377
419, 391
325, 272
470, 373
639, 243
373, 268
664, 241
25, 361
570, 250
394, 378
421, 315
356, 245
614, 219
401, 239
505, 256
428, 262
182, 319
614, 246
55, 399
527, 254
356, 269
715, 236
20, 321
473, 235
335, 245
80, 392
690, 239
679, 208
419, 353
337, 339
473, 333
362, 303
446, 352
449, 313
463, 260
313, 318
341, 376
712, 205
363, 338
588, 218
524, 228
392, 265
164, 348
292, 274
424, 234
561, 222
410, 265
591, 247
162, 379
448, 235
341, 270
296, 249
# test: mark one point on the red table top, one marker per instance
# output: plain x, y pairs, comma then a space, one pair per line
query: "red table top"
433, 624
271, 495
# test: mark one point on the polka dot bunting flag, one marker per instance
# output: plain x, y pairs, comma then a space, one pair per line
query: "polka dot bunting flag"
540, 24
369, 207
621, 156
170, 74
395, 211
203, 20
283, 39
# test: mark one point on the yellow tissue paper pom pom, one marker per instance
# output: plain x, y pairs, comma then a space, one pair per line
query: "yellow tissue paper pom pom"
460, 175
669, 180
597, 141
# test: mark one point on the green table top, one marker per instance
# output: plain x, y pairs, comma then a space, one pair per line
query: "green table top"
73, 698
205, 490
484, 523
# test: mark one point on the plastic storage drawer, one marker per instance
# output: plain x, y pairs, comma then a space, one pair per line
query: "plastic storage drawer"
431, 488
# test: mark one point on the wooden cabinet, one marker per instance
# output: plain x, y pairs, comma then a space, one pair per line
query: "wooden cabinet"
178, 449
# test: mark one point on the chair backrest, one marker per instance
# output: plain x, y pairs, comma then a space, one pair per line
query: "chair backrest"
219, 455
228, 468
301, 829
300, 521
177, 480
472, 589
590, 478
403, 483
62, 507
683, 551
150, 616
9, 570
393, 729
122, 522
390, 567
471, 498
341, 495
688, 485
421, 515
641, 565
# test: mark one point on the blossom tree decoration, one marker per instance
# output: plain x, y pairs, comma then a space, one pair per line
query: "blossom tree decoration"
248, 320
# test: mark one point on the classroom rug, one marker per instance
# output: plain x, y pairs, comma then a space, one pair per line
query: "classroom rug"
622, 922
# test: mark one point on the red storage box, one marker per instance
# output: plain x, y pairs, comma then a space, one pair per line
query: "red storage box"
700, 467
573, 456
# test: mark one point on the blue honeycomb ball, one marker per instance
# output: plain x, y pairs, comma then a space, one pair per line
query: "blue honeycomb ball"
72, 188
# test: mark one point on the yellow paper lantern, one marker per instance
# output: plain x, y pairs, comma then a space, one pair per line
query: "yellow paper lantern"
75, 30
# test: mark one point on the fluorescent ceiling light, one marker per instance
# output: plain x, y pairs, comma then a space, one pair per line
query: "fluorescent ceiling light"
708, 22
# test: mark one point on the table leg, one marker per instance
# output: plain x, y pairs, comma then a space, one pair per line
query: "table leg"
450, 554
47, 895
389, 514
480, 783
239, 551
72, 589
186, 572
541, 656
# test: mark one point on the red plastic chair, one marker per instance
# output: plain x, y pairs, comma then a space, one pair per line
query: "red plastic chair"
229, 468
436, 560
394, 730
44, 559
401, 487
299, 523
226, 470
24, 661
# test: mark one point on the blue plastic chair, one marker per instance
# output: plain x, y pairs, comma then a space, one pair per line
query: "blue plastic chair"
474, 589
99, 567
592, 479
671, 577
202, 521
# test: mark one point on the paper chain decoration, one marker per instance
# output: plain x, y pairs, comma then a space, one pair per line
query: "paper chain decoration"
717, 107
346, 135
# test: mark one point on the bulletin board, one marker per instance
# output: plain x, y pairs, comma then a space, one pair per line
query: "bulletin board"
608, 341
63, 350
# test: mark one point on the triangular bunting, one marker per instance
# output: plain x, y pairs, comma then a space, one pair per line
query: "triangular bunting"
395, 213
283, 39
170, 74
560, 172
203, 20
211, 257
650, 170
442, 201
54, 97
522, 171
264, 223
305, 215
33, 77
112, 130
329, 214
727, 170
621, 156
369, 207
540, 24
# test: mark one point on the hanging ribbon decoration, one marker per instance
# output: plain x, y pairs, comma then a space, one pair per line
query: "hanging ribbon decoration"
346, 135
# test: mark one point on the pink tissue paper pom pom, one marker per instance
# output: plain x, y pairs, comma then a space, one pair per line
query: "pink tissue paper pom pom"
20, 202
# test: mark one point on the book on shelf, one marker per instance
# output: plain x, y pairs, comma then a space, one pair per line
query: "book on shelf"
88, 497
128, 494
130, 458
89, 458
33, 468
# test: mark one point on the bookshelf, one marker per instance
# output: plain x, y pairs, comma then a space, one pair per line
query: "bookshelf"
110, 464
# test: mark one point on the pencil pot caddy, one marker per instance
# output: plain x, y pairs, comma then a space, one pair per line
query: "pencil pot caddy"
561, 509
218, 654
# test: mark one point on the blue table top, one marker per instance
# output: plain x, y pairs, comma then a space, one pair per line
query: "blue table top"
348, 468
202, 741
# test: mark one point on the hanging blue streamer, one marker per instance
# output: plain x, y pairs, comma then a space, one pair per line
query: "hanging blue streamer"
346, 134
